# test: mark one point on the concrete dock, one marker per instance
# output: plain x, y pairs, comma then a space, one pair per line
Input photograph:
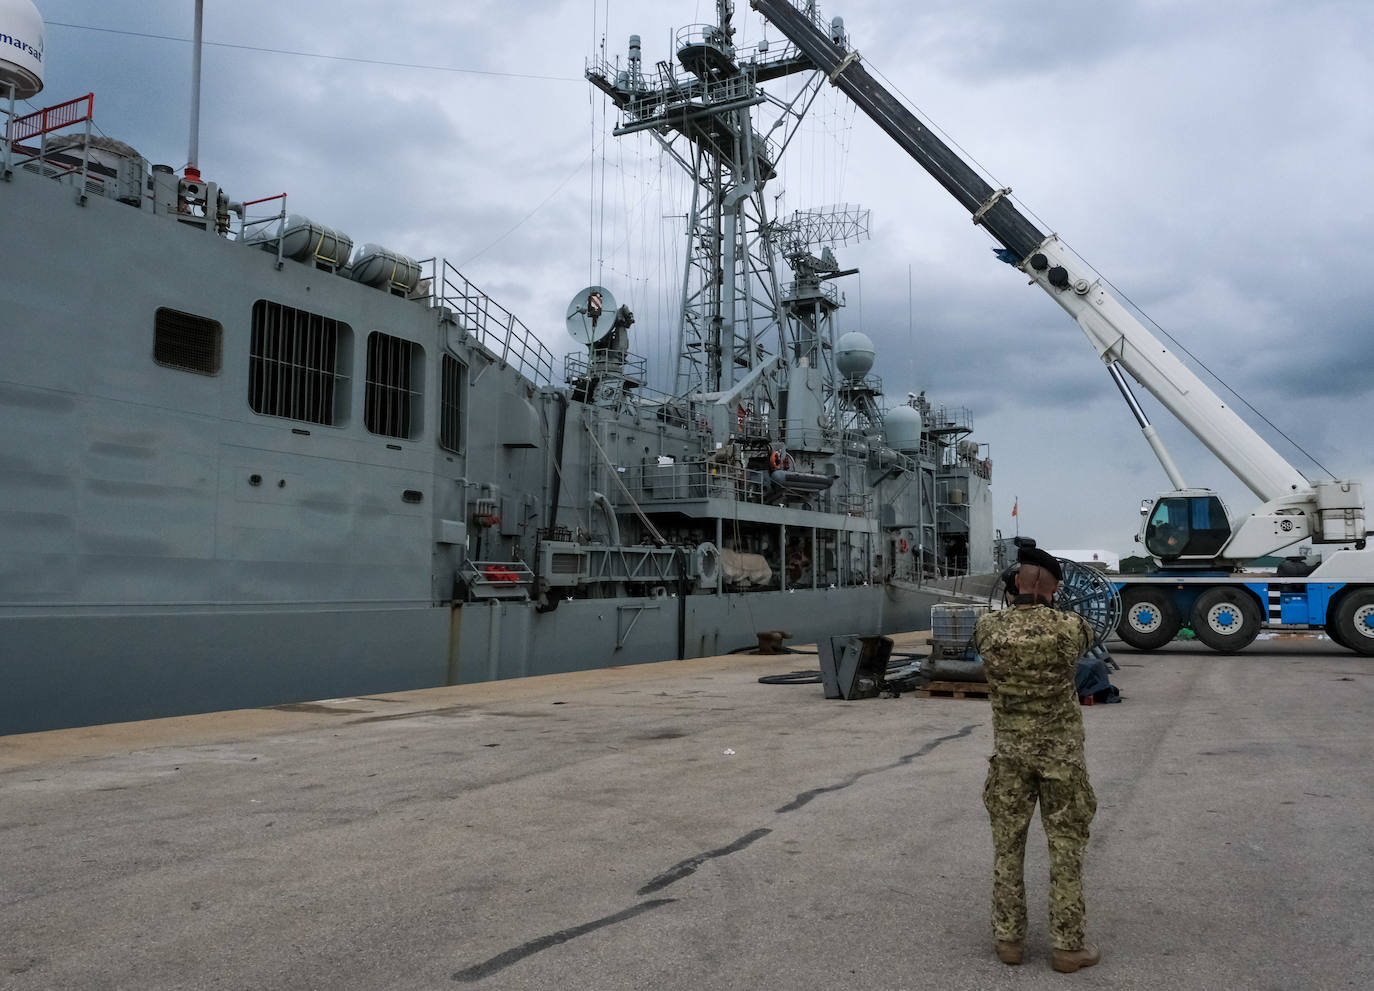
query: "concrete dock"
682, 826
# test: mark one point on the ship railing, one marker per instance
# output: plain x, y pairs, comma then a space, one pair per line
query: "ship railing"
666, 407
878, 460
798, 290
582, 371
491, 324
974, 462
952, 518
704, 34
871, 385
44, 121
693, 481
279, 218
949, 420
952, 457
50, 119
497, 579
751, 427
856, 504
715, 92
603, 362
649, 100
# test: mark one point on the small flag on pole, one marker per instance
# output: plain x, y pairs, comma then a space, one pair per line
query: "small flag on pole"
1014, 504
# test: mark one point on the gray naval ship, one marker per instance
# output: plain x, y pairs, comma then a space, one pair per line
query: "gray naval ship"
244, 463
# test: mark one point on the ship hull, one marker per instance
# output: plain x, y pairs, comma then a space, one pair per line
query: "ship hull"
69, 667
196, 517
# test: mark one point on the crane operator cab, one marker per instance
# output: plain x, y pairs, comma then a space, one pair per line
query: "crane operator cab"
1187, 525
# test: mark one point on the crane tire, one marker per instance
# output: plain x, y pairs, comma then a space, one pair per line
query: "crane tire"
1226, 619
1333, 628
1354, 621
1149, 618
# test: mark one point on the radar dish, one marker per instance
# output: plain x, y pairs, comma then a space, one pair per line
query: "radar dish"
591, 314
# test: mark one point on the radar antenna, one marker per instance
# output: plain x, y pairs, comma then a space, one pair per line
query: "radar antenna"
699, 108
809, 303
824, 226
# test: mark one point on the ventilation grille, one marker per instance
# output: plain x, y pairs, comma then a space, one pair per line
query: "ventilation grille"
451, 404
392, 405
294, 363
187, 342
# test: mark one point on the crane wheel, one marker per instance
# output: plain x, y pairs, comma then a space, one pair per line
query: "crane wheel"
1354, 621
1149, 618
1226, 619
1333, 631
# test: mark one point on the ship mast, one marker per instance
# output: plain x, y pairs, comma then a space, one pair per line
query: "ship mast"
193, 151
732, 318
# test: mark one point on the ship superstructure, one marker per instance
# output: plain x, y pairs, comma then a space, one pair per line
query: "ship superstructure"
246, 463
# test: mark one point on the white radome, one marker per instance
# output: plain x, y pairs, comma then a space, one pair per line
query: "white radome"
854, 354
21, 49
903, 427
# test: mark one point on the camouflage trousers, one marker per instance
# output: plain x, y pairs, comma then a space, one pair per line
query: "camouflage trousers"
1067, 806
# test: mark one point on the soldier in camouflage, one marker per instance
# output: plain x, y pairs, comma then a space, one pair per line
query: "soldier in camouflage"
1030, 652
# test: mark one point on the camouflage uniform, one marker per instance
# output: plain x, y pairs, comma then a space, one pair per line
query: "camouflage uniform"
1030, 655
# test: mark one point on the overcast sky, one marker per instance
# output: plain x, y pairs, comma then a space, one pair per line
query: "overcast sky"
1212, 160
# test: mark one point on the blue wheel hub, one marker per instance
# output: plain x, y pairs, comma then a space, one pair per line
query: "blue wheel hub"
1226, 619
1362, 623
1143, 617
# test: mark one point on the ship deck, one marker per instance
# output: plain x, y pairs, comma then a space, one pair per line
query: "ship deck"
681, 826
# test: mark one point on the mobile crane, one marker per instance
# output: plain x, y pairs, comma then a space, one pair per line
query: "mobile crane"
1195, 543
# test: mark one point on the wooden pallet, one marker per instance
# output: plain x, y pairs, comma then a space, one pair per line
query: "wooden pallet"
954, 690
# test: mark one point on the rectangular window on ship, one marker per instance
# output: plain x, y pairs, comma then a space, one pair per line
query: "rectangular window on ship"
297, 364
452, 374
395, 373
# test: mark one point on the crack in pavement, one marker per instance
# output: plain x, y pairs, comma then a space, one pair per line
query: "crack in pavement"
503, 960
684, 869
680, 870
902, 761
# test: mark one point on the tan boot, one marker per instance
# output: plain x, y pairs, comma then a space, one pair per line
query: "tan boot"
1009, 953
1068, 961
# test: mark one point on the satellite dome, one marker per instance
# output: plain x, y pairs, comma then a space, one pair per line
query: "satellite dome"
903, 428
21, 48
854, 355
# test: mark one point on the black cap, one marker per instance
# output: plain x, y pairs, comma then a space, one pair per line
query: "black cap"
1041, 559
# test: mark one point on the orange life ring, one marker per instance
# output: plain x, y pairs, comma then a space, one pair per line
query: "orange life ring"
902, 545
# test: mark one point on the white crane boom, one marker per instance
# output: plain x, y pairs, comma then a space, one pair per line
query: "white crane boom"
1118, 337
1294, 508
